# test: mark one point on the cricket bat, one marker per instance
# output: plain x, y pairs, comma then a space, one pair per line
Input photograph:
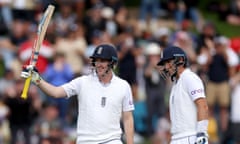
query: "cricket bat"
42, 28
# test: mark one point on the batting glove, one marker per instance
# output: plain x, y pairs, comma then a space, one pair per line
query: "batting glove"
202, 138
30, 70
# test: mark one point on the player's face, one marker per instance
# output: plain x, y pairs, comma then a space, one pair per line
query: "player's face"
101, 66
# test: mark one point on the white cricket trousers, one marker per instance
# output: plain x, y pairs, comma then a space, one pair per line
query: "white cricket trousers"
184, 140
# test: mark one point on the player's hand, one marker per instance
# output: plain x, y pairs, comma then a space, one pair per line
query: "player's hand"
202, 138
30, 70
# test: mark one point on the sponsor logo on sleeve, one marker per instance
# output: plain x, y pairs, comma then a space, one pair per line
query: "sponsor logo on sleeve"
196, 91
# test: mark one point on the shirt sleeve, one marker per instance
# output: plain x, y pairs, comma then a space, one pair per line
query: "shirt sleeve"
72, 87
195, 87
128, 99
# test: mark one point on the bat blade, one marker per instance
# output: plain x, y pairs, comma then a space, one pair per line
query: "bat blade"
42, 28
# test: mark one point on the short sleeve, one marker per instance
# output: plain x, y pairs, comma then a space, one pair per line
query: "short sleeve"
195, 87
128, 99
73, 87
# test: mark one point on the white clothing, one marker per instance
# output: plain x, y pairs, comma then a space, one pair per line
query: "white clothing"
100, 107
235, 116
184, 140
183, 113
233, 59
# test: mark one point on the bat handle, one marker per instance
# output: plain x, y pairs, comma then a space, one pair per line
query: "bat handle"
26, 87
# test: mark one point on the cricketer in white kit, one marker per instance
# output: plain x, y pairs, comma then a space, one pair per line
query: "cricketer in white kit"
187, 104
104, 100
100, 108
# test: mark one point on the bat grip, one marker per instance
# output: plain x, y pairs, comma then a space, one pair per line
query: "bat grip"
26, 87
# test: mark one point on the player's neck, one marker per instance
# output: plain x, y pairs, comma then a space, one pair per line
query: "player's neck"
179, 72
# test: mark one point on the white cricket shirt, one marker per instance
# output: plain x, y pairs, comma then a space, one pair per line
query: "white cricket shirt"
100, 107
183, 113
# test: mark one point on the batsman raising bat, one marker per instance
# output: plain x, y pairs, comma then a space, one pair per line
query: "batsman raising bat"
104, 99
42, 28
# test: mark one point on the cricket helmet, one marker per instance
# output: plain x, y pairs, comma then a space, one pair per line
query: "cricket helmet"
178, 57
105, 51
172, 52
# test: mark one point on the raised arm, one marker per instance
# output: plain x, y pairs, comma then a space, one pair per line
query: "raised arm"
47, 88
51, 90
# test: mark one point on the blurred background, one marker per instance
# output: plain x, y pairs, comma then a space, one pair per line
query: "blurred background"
208, 31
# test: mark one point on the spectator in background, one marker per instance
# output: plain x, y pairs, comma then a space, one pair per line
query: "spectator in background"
22, 113
233, 63
149, 8
163, 134
7, 80
187, 28
155, 88
231, 14
5, 135
185, 9
206, 36
205, 48
93, 21
25, 50
73, 45
25, 9
6, 16
64, 18
111, 25
91, 3
58, 73
80, 7
116, 5
9, 45
217, 87
19, 32
233, 59
162, 36
48, 123
121, 19
127, 52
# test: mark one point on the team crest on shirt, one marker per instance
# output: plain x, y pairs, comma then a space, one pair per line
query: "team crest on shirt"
103, 101
173, 99
99, 50
161, 55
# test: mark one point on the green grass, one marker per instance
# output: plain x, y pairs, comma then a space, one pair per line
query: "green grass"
222, 26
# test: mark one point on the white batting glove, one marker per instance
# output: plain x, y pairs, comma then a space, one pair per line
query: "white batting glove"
30, 70
202, 138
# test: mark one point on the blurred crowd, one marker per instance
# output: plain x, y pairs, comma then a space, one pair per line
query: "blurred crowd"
78, 26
